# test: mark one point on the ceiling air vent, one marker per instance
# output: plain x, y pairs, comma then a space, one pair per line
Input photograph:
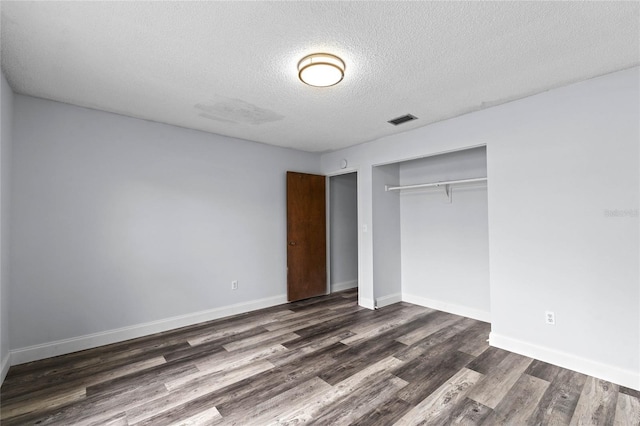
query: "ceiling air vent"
402, 119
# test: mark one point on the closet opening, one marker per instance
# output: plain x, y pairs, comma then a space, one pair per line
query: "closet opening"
431, 233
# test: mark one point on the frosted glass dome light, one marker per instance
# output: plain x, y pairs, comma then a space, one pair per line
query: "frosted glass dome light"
321, 70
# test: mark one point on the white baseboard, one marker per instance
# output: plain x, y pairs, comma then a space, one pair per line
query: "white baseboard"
365, 302
61, 347
628, 378
344, 285
439, 305
4, 367
390, 299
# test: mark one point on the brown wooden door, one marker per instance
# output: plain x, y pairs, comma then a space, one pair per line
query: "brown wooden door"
306, 236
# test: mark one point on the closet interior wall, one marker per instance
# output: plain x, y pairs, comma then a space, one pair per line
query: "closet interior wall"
445, 242
386, 236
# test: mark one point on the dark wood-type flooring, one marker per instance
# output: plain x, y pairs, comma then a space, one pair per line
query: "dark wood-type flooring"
321, 361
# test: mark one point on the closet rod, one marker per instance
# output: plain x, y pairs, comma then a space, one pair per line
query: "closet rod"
426, 185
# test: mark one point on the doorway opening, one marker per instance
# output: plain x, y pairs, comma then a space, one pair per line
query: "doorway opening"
343, 232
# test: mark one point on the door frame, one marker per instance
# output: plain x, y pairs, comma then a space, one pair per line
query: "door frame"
328, 177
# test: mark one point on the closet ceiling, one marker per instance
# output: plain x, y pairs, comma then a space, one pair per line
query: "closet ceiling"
231, 67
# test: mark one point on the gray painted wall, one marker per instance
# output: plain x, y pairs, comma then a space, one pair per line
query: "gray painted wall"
563, 190
386, 235
569, 157
445, 245
119, 221
343, 221
6, 125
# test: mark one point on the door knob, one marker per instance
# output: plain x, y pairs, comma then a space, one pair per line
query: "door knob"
292, 243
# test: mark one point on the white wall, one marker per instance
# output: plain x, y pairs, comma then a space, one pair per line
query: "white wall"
557, 162
569, 159
6, 135
445, 244
386, 236
343, 228
123, 227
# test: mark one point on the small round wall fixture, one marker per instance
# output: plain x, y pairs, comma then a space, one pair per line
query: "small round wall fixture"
321, 70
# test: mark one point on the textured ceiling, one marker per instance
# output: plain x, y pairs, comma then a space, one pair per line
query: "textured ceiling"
230, 67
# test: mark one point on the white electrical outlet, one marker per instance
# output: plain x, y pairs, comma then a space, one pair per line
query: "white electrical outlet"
234, 285
550, 317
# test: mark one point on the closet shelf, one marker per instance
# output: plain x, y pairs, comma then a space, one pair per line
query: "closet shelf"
427, 185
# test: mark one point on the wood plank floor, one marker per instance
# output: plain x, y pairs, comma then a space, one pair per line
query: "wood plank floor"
322, 361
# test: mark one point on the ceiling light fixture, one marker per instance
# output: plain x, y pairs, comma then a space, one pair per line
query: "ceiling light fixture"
321, 70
